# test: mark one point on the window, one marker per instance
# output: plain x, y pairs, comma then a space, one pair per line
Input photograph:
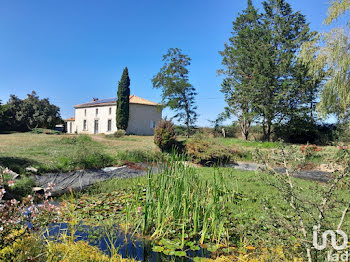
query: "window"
110, 110
96, 111
85, 112
152, 124
109, 125
84, 125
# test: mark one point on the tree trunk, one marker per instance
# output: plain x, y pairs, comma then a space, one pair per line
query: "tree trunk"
264, 128
269, 124
188, 123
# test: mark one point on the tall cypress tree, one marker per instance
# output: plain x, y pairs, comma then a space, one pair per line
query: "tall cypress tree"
123, 101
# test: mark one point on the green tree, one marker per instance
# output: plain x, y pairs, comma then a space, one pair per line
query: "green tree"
177, 92
123, 101
241, 61
264, 79
2, 118
31, 112
34, 112
330, 52
280, 90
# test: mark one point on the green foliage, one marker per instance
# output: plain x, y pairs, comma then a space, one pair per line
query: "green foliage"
177, 92
331, 52
138, 156
241, 61
85, 155
271, 84
208, 152
304, 130
343, 154
117, 134
342, 132
123, 101
22, 187
337, 9
29, 113
164, 135
45, 131
23, 247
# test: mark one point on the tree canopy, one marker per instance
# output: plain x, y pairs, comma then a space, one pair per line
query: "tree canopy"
263, 78
177, 93
31, 112
330, 52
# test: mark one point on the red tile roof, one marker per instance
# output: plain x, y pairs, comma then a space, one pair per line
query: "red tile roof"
70, 119
110, 101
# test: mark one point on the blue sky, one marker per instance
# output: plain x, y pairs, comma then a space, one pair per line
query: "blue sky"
73, 50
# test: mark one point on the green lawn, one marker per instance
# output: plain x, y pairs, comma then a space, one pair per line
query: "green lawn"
51, 152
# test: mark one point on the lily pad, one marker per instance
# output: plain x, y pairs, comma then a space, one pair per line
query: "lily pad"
213, 248
157, 249
195, 248
180, 253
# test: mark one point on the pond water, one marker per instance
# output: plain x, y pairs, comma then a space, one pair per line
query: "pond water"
128, 246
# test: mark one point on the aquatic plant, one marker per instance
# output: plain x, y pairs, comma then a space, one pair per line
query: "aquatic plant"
180, 205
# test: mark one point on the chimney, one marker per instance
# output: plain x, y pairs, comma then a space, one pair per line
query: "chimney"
94, 99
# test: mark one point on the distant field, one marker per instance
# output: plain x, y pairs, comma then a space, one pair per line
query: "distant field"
53, 152
18, 150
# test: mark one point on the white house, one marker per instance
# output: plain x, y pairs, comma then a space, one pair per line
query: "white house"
99, 116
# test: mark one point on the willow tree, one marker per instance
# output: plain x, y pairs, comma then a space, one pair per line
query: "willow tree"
330, 52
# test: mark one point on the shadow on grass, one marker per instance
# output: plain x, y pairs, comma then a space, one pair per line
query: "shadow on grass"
17, 164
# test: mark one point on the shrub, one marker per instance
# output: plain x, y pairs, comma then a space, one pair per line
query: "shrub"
301, 131
208, 152
164, 135
309, 150
37, 131
231, 131
45, 131
117, 134
343, 154
22, 187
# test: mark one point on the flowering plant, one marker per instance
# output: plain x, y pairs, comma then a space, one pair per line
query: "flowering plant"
308, 150
18, 215
343, 154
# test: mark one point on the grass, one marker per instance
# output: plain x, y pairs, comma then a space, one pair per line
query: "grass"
221, 208
58, 153
61, 152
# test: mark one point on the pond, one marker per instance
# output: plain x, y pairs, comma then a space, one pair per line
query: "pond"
128, 246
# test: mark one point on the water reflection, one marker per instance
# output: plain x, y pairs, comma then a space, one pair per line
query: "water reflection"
127, 246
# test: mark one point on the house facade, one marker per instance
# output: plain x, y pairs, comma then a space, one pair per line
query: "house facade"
99, 116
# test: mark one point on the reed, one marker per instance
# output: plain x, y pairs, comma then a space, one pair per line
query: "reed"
179, 204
